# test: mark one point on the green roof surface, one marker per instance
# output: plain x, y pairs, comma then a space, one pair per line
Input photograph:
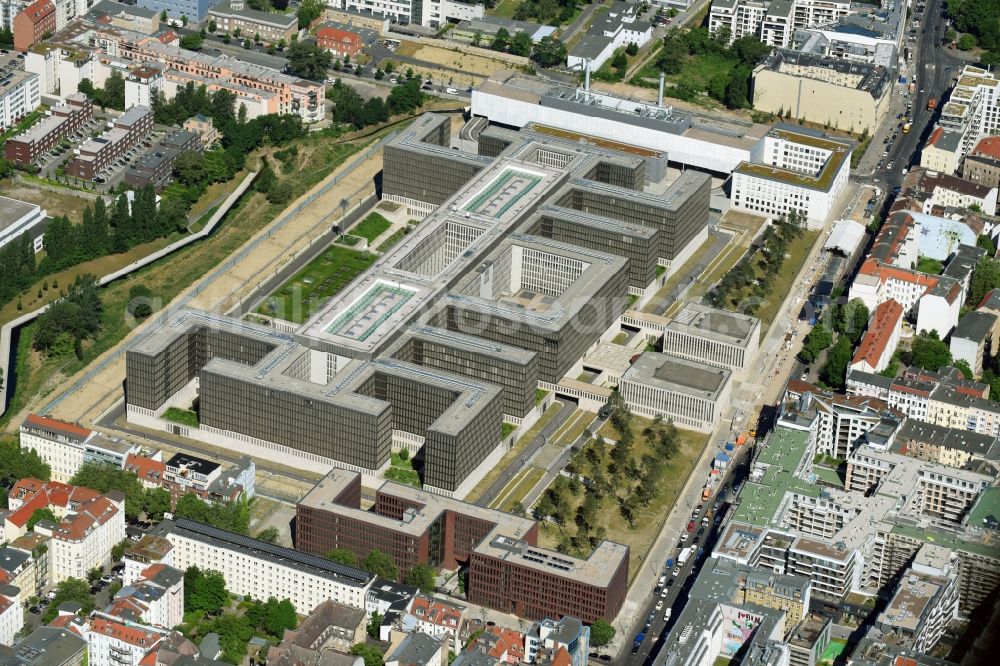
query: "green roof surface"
937, 537
987, 505
829, 476
760, 501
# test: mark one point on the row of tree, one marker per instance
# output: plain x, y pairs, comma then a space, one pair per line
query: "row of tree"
349, 108
752, 279
111, 96
981, 19
547, 52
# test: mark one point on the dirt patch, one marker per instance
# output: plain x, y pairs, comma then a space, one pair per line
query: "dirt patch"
55, 203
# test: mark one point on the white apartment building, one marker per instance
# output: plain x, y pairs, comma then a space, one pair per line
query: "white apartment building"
58, 443
141, 86
150, 550
157, 597
838, 423
716, 337
67, 446
686, 392
789, 171
18, 97
260, 570
953, 409
773, 21
113, 642
11, 614
90, 524
431, 13
926, 599
973, 108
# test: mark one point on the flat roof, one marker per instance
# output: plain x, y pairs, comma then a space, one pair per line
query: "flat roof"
673, 373
720, 325
257, 549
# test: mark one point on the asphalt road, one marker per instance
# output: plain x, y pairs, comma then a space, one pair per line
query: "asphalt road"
517, 465
657, 626
933, 69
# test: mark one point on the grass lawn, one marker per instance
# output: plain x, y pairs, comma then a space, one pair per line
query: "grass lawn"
650, 518
928, 265
515, 452
506, 429
371, 227
798, 251
520, 486
314, 285
39, 375
402, 471
832, 651
504, 8
620, 339
183, 416
392, 239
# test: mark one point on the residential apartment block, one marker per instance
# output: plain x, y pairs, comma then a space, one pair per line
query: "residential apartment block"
67, 446
341, 43
96, 155
823, 90
508, 571
233, 15
880, 341
25, 148
34, 22
982, 164
773, 22
261, 570
432, 13
89, 524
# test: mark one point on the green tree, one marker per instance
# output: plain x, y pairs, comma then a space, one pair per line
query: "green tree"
501, 40
17, 463
308, 11
278, 616
204, 590
619, 61
929, 352
422, 576
44, 513
140, 301
521, 44
374, 625
549, 52
834, 373
192, 42
118, 550
851, 319
818, 339
966, 42
632, 50
343, 557
103, 478
736, 91
212, 27
985, 277
71, 589
963, 365
601, 633
371, 654
307, 60
234, 633
269, 534
380, 564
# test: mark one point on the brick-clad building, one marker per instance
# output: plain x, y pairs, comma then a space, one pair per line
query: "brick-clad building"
63, 119
32, 22
507, 569
156, 166
97, 154
339, 42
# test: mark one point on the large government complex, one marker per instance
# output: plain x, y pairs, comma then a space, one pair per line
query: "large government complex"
524, 262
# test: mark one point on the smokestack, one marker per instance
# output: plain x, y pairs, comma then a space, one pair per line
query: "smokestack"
586, 75
659, 96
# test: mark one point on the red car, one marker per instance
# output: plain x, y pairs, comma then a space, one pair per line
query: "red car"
691, 526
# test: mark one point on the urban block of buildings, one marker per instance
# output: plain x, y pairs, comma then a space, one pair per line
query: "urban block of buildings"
507, 569
62, 120
773, 22
272, 27
616, 28
95, 156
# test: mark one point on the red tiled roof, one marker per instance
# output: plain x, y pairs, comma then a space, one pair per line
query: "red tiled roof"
57, 426
886, 319
39, 10
435, 612
89, 508
988, 147
935, 136
126, 634
338, 35
145, 467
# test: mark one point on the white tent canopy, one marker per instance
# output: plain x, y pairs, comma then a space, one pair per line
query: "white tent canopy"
846, 237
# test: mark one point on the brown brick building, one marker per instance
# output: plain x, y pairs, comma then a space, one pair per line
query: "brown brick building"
98, 154
62, 120
32, 23
507, 570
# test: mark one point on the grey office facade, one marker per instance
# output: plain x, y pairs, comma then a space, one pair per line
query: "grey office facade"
521, 264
